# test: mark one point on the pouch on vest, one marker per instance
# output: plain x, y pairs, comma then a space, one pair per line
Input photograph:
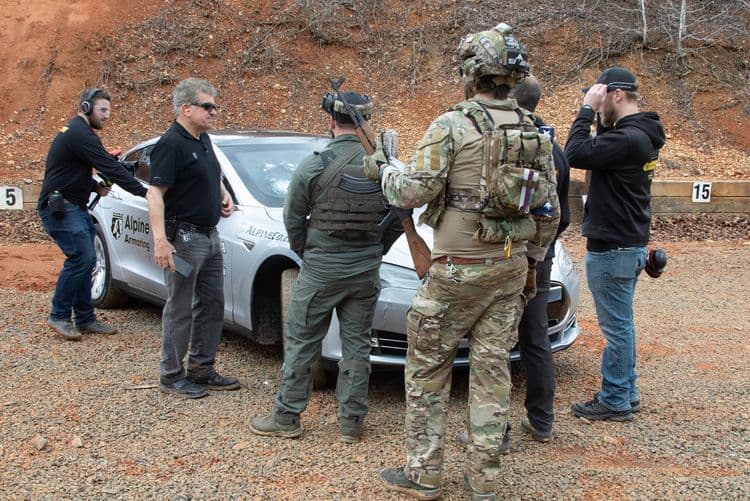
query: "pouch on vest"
496, 230
516, 170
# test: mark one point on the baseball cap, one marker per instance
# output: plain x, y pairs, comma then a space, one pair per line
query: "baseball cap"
616, 78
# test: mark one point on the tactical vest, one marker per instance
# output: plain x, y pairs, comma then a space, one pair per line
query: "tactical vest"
516, 194
345, 203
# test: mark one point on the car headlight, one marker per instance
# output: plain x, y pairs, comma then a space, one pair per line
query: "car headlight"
398, 277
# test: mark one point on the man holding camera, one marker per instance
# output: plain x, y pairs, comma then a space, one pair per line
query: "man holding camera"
621, 159
62, 208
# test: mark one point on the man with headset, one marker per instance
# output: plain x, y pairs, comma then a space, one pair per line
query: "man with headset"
62, 208
336, 230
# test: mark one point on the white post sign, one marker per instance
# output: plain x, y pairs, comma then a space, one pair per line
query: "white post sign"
702, 191
11, 197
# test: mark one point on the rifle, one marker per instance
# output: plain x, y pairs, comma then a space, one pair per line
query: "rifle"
420, 253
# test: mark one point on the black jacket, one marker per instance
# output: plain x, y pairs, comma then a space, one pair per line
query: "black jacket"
75, 150
621, 160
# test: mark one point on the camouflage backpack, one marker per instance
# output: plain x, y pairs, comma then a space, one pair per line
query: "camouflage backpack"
518, 178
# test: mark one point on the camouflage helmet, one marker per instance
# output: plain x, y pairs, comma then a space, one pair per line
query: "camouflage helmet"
493, 52
332, 105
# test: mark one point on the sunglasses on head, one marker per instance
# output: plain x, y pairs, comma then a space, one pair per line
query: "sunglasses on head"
626, 86
206, 106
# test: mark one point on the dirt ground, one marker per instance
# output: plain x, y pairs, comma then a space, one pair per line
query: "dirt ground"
84, 420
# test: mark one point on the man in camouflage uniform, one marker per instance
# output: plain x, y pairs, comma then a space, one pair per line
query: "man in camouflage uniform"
482, 265
333, 216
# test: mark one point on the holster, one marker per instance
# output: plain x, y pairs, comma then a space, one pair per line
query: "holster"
56, 204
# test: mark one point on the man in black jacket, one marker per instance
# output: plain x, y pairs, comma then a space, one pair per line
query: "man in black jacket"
62, 208
533, 338
621, 159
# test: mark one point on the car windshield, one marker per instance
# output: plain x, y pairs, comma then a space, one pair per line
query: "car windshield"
267, 168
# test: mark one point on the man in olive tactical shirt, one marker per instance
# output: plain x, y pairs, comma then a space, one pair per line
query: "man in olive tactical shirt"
62, 208
484, 169
333, 217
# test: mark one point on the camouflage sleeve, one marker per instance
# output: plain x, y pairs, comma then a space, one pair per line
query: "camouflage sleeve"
425, 175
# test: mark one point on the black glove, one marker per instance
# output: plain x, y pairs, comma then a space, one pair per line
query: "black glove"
529, 289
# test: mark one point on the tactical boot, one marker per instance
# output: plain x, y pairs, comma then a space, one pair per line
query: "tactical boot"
351, 429
212, 380
97, 327
476, 495
538, 435
182, 388
597, 411
395, 480
269, 427
65, 328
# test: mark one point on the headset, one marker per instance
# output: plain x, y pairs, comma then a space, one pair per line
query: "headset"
87, 100
327, 103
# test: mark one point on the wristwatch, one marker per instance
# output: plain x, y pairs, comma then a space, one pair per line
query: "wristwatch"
587, 107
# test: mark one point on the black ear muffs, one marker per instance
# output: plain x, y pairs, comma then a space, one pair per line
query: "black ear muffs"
327, 103
87, 100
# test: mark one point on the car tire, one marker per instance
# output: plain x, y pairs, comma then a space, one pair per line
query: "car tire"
104, 293
321, 377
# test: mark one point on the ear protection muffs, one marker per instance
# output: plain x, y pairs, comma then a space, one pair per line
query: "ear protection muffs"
327, 103
87, 100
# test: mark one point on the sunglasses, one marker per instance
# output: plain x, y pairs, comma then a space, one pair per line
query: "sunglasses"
206, 106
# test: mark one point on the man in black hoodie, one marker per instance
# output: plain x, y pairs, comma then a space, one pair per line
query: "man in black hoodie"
65, 192
621, 159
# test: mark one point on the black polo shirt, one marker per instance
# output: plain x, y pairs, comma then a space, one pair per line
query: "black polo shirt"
189, 169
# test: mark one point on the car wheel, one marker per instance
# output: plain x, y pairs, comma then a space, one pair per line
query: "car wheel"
321, 377
104, 293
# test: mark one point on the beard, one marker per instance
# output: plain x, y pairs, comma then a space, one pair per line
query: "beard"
95, 123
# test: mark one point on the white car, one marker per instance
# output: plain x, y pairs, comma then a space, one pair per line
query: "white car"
260, 269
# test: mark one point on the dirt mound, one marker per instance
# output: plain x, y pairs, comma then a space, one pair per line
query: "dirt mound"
271, 61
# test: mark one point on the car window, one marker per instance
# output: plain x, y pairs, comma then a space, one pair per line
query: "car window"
266, 169
143, 166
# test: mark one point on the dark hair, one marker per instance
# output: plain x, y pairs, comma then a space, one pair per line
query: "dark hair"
486, 85
527, 93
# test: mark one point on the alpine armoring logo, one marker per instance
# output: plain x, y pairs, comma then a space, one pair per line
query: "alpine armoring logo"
116, 227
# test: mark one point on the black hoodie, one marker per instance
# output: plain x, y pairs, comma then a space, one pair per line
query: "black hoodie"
621, 160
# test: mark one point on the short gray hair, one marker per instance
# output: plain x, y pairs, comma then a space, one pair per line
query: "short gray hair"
187, 92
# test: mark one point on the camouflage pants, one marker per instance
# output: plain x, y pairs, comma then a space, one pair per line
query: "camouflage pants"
485, 304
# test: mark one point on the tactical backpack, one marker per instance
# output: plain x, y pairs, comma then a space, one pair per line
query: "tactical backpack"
518, 183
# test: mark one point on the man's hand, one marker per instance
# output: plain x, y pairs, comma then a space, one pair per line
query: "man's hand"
372, 163
595, 96
103, 190
529, 289
227, 206
163, 251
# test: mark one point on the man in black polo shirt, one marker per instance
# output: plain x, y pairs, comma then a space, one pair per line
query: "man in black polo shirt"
185, 202
62, 208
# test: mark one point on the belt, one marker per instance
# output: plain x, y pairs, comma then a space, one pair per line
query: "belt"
468, 260
194, 228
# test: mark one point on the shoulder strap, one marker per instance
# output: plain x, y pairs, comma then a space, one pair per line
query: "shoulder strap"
332, 166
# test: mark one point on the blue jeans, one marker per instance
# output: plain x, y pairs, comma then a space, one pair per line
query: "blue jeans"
194, 312
612, 276
74, 234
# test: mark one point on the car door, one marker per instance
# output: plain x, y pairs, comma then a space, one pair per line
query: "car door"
131, 231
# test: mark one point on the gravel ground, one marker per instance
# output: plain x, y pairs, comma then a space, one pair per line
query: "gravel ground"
85, 420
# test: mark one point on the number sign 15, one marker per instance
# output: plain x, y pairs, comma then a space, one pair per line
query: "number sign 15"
702, 191
11, 197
